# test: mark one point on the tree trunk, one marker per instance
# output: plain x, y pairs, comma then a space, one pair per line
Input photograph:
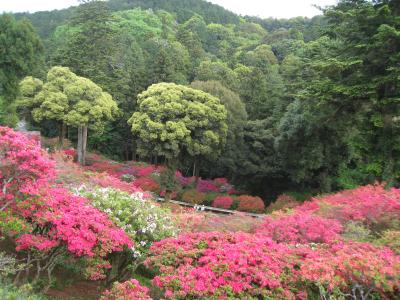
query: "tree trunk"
168, 178
79, 146
61, 134
196, 168
84, 143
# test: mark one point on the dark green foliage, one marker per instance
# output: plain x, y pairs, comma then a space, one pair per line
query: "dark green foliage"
20, 54
228, 162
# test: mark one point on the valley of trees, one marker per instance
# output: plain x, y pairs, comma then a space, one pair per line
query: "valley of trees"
312, 105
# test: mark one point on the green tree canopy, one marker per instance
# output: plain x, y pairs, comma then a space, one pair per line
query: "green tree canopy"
69, 99
174, 120
229, 161
21, 53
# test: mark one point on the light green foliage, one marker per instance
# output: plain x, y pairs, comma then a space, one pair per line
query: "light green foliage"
251, 31
217, 70
9, 265
391, 239
142, 220
356, 231
141, 24
29, 88
173, 119
261, 57
25, 292
68, 98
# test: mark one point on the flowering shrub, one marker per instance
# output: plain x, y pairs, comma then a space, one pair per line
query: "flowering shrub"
105, 166
188, 220
24, 167
220, 266
173, 194
283, 201
70, 152
301, 228
304, 253
144, 171
184, 181
106, 180
223, 202
220, 181
51, 221
69, 222
355, 269
244, 266
142, 220
372, 205
224, 186
147, 184
226, 223
232, 191
207, 186
193, 196
127, 290
250, 204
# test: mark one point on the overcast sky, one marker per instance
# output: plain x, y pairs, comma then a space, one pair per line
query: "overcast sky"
261, 8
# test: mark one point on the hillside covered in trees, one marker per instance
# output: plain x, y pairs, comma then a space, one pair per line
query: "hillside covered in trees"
312, 103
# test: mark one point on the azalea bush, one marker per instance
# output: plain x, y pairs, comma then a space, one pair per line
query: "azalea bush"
145, 171
49, 222
64, 223
244, 266
193, 196
353, 270
106, 180
184, 181
223, 202
305, 252
142, 220
250, 204
130, 289
70, 152
147, 184
283, 201
207, 186
300, 227
24, 167
222, 265
372, 205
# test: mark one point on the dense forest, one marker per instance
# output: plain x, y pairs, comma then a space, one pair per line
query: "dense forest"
312, 104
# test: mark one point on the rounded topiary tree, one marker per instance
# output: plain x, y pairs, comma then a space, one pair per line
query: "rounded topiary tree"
70, 100
174, 120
